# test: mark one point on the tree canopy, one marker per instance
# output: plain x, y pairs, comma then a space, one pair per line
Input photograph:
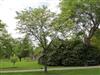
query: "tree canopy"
37, 23
84, 15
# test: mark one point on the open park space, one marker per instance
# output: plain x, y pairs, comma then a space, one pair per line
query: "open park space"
26, 67
49, 37
33, 68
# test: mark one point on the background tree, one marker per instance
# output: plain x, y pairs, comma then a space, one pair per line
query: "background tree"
84, 14
5, 42
37, 52
2, 27
26, 47
23, 47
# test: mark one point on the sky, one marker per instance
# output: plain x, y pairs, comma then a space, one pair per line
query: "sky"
8, 10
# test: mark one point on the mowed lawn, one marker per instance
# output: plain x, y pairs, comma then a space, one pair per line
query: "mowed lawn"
24, 64
63, 72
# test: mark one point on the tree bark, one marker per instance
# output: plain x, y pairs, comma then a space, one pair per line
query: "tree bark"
87, 41
45, 65
45, 68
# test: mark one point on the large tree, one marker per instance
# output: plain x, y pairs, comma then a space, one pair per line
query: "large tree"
38, 24
85, 15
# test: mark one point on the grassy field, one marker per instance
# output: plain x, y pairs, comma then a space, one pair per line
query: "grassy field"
24, 64
64, 72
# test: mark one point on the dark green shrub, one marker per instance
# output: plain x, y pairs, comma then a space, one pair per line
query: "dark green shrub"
71, 53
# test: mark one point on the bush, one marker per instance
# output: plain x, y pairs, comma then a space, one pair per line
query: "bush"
71, 53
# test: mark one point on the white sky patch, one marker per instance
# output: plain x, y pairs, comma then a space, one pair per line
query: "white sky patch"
8, 10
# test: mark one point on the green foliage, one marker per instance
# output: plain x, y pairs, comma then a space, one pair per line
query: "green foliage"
23, 47
26, 47
23, 54
71, 53
84, 15
6, 44
36, 23
96, 39
2, 25
14, 59
37, 52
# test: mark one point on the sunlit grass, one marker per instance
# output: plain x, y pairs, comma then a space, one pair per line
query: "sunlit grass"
6, 64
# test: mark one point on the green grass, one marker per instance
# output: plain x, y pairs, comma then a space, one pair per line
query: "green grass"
64, 72
6, 64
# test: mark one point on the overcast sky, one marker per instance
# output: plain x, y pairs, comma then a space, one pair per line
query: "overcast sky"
8, 10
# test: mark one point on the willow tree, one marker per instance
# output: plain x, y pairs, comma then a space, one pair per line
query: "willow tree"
37, 23
85, 15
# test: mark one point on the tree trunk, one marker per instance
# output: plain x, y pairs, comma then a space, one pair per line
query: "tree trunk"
85, 64
87, 41
45, 68
20, 58
87, 44
45, 65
